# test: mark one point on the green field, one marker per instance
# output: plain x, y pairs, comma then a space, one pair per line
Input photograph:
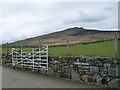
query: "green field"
96, 49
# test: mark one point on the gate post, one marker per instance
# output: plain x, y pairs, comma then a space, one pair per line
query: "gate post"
12, 57
33, 57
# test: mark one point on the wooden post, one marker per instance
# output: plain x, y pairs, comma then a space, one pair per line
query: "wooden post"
7, 48
116, 45
68, 51
116, 48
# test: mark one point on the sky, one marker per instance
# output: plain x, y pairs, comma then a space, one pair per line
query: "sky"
21, 20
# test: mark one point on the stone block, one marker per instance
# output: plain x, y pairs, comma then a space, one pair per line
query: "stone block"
84, 78
75, 75
115, 83
50, 72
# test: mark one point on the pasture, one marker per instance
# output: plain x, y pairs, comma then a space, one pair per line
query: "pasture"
95, 49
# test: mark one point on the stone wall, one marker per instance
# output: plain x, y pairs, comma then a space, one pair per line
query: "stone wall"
95, 70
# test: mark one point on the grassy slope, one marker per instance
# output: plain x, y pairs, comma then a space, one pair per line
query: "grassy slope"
96, 49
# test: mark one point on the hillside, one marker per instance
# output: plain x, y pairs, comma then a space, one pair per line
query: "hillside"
74, 35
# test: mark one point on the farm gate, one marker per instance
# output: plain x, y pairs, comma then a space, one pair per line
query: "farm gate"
35, 58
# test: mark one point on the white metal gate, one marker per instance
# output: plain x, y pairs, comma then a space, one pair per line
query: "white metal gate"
37, 58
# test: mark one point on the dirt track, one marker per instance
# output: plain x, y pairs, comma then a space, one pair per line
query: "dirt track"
13, 78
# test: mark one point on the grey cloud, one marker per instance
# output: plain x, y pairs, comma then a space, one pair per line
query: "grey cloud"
108, 8
34, 19
85, 18
93, 19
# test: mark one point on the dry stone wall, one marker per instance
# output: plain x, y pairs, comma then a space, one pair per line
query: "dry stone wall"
95, 70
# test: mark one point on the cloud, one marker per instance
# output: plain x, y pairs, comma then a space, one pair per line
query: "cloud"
86, 18
108, 8
24, 20
93, 19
